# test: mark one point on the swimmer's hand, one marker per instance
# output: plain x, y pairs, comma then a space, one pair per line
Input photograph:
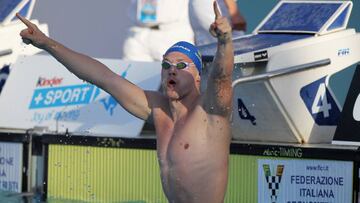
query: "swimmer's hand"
221, 27
32, 34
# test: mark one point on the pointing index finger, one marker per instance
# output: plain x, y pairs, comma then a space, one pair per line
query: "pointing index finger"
216, 10
26, 22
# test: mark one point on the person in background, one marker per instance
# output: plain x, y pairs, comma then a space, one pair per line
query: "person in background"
201, 17
157, 24
192, 127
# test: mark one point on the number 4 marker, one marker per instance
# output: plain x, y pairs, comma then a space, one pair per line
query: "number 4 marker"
321, 102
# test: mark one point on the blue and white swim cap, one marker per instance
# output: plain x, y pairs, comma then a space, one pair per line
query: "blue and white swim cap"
189, 50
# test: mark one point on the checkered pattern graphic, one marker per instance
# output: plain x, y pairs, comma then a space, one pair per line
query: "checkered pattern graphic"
273, 181
273, 185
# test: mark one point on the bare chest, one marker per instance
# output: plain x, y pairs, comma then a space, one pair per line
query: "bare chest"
190, 140
190, 151
177, 140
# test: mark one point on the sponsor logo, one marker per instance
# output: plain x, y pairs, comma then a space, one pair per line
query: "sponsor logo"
273, 180
50, 93
63, 96
244, 113
283, 152
110, 102
261, 55
44, 82
304, 181
40, 117
343, 52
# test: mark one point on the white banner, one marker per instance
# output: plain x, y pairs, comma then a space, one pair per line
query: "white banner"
40, 92
305, 181
11, 159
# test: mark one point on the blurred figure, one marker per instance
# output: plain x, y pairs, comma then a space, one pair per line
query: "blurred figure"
201, 16
157, 24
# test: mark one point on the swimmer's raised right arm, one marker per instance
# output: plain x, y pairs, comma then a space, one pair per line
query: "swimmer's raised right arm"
132, 98
218, 94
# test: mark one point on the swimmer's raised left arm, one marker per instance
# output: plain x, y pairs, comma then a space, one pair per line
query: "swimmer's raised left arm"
218, 95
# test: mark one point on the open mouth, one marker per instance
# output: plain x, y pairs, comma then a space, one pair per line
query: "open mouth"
172, 82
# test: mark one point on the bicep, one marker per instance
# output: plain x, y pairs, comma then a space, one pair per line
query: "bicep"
131, 97
218, 94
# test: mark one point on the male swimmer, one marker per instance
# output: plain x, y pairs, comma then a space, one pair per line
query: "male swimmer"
193, 130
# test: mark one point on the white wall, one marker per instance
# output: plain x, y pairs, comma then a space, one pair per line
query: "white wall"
93, 27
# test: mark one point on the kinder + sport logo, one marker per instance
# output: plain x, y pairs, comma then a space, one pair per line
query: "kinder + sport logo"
63, 96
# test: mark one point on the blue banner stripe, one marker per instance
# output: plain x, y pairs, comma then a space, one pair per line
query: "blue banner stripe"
63, 96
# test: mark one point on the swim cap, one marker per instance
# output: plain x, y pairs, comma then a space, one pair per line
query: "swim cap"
189, 50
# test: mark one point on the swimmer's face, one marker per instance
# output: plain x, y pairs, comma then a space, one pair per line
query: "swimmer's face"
177, 82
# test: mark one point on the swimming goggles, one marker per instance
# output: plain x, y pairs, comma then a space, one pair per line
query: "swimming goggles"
180, 65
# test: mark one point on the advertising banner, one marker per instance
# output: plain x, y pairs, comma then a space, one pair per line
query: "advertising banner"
11, 158
86, 175
40, 92
252, 179
305, 181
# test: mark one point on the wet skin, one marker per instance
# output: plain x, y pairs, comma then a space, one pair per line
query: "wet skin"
193, 145
193, 133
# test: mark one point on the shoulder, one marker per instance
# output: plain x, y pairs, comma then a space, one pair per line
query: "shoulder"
155, 98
